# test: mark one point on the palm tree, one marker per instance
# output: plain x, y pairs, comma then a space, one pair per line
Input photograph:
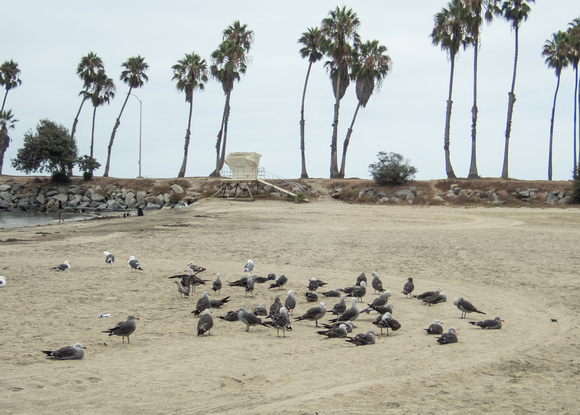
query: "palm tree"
7, 122
190, 74
86, 70
311, 49
515, 12
102, 91
369, 69
477, 9
574, 52
340, 33
9, 78
451, 31
557, 57
230, 60
133, 75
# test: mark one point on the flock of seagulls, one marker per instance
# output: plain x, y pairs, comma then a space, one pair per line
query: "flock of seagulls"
278, 314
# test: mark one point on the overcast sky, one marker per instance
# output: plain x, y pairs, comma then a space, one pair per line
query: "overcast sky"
48, 39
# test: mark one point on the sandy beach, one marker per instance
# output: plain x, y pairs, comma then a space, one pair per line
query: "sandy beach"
521, 264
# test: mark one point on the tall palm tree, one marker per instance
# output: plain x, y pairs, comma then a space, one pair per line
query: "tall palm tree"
515, 12
7, 122
451, 32
574, 53
9, 78
190, 74
369, 69
557, 56
133, 75
230, 60
311, 49
481, 9
102, 92
86, 70
340, 32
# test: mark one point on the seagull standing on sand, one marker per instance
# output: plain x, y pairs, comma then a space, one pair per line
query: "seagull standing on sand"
432, 297
205, 323
276, 306
249, 319
183, 289
250, 285
449, 337
351, 314
314, 313
359, 291
124, 328
217, 284
380, 301
408, 287
290, 302
75, 352
279, 282
376, 283
134, 264
435, 328
202, 304
62, 267
109, 257
281, 321
339, 307
249, 267
388, 322
465, 307
494, 324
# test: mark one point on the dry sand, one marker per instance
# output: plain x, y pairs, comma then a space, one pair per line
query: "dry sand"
519, 264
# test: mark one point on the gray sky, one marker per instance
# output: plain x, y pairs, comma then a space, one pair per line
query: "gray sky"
406, 116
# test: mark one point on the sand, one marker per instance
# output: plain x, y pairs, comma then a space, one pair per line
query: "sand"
517, 263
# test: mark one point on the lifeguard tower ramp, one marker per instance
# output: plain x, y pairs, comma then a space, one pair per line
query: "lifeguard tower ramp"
245, 176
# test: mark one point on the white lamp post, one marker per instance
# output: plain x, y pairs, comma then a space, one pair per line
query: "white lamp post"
140, 128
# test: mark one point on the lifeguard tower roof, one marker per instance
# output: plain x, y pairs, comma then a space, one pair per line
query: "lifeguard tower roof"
244, 166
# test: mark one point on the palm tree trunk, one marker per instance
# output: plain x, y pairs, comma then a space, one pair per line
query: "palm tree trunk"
4, 143
117, 123
4, 100
93, 130
334, 142
346, 143
304, 174
187, 137
511, 102
76, 120
473, 166
574, 171
218, 145
552, 130
222, 157
446, 139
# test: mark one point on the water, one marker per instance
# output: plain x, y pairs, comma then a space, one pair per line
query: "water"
16, 219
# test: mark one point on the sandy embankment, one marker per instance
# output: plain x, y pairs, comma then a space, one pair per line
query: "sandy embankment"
520, 264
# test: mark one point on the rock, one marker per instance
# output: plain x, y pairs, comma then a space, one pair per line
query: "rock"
176, 189
96, 197
141, 195
152, 206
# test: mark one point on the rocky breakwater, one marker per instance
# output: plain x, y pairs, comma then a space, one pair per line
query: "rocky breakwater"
85, 198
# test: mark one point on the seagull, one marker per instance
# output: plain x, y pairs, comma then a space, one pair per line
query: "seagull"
250, 285
202, 304
124, 328
359, 292
349, 325
339, 307
351, 314
435, 328
75, 352
109, 257
363, 339
217, 284
441, 299
376, 283
279, 282
205, 323
388, 322
314, 313
190, 279
230, 316
314, 284
335, 293
335, 332
134, 264
260, 311
311, 297
408, 287
381, 309
449, 337
62, 267
494, 324
2, 282
281, 321
276, 306
195, 268
249, 319
465, 307
429, 299
249, 267
380, 301
218, 303
183, 289
362, 277
290, 302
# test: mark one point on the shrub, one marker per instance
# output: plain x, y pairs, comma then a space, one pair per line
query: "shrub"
391, 169
87, 165
576, 191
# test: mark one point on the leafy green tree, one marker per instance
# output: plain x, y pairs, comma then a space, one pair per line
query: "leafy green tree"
7, 122
311, 42
515, 12
50, 149
133, 75
556, 51
102, 91
9, 78
451, 32
230, 60
391, 169
340, 35
87, 165
190, 74
86, 71
370, 67
574, 40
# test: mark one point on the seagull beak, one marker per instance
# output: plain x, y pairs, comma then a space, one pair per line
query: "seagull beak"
137, 318
84, 347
